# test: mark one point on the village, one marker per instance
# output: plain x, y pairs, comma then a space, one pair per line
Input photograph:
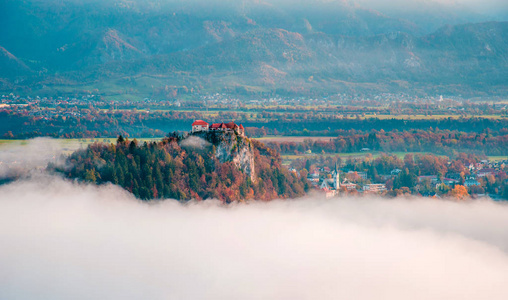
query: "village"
329, 182
339, 180
76, 105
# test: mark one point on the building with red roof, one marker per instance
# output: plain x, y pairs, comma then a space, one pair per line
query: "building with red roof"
200, 125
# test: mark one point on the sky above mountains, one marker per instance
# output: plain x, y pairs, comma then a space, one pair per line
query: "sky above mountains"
495, 7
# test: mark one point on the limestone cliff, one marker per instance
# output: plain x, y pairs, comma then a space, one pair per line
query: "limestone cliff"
229, 146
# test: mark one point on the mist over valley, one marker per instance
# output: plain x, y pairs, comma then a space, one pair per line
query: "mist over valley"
66, 240
245, 149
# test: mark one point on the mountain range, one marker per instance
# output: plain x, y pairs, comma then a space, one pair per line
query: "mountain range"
162, 48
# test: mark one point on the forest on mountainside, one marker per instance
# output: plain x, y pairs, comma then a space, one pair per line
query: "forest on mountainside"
140, 48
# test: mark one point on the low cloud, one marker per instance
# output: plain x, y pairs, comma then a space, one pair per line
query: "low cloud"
195, 142
64, 240
18, 158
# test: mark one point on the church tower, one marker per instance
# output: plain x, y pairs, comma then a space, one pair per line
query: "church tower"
336, 177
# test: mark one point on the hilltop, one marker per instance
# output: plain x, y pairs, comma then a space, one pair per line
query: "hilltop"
203, 165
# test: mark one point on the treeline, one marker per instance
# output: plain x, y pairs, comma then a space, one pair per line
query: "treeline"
166, 170
325, 125
92, 123
436, 141
15, 125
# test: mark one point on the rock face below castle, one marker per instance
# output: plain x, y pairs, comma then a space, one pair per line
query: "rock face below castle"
230, 146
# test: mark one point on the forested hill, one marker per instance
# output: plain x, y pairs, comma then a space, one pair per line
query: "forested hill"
187, 168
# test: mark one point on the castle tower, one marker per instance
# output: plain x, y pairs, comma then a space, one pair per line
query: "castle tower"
242, 130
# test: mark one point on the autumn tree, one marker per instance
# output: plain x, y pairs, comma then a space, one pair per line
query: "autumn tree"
459, 192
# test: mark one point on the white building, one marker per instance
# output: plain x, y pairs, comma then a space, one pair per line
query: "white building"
471, 182
374, 188
200, 125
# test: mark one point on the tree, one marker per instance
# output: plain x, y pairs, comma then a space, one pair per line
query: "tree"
459, 192
90, 176
505, 192
476, 189
405, 179
308, 165
443, 189
372, 141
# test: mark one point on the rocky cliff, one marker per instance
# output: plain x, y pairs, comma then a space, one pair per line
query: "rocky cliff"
231, 147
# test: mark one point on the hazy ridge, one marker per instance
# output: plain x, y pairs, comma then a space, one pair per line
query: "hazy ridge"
249, 46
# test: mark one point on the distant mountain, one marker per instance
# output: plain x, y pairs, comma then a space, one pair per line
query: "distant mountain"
247, 46
458, 59
10, 65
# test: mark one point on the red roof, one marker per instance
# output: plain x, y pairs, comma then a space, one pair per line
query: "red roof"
241, 126
199, 122
231, 125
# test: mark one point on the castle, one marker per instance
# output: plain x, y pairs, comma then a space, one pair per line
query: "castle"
200, 125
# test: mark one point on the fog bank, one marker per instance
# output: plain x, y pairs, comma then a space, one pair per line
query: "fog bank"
63, 240
17, 158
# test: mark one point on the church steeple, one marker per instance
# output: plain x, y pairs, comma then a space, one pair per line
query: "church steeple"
336, 177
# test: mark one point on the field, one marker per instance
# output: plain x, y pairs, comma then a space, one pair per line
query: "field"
358, 155
286, 159
430, 117
68, 145
498, 158
296, 139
